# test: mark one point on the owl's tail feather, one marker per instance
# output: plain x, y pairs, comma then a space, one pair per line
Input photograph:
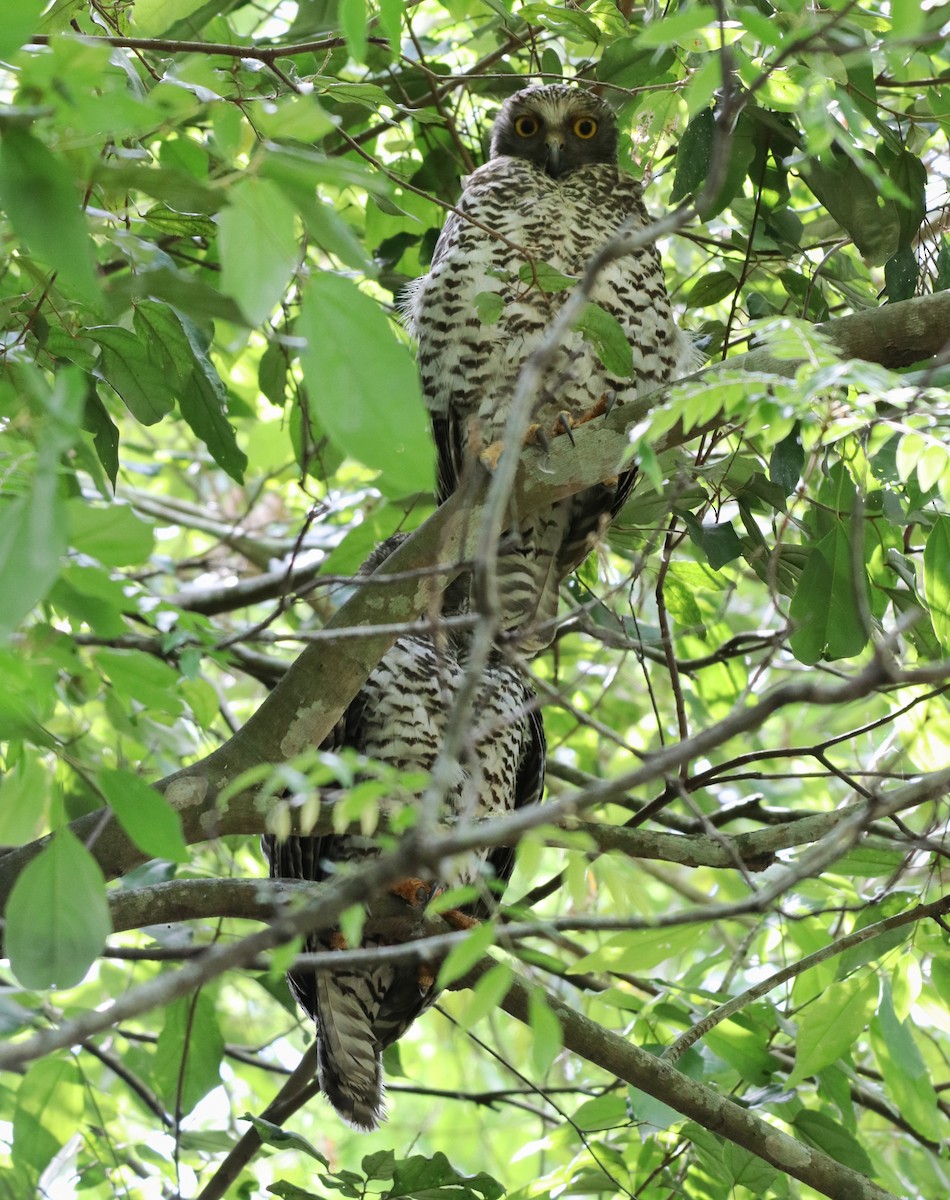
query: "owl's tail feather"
349, 1065
528, 579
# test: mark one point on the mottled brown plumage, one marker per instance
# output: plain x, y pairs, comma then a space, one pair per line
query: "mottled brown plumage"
399, 718
553, 192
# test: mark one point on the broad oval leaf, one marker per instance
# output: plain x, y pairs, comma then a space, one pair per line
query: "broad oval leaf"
363, 383
42, 202
145, 815
57, 918
188, 1054
259, 247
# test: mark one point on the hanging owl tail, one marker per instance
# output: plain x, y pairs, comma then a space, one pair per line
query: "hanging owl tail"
528, 579
349, 1066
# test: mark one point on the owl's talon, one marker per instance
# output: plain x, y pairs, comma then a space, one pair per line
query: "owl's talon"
459, 920
609, 399
416, 892
564, 424
491, 454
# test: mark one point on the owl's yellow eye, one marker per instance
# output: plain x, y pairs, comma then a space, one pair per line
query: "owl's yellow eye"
527, 126
585, 127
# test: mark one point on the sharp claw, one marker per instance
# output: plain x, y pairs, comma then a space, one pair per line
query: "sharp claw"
541, 438
610, 399
565, 423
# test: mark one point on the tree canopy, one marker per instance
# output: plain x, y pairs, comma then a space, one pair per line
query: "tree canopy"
721, 967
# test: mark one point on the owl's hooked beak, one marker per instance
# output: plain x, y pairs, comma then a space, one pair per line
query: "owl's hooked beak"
554, 159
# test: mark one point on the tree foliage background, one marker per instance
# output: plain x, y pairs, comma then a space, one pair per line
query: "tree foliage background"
209, 414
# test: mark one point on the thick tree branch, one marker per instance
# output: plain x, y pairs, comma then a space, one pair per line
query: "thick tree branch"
303, 708
620, 1057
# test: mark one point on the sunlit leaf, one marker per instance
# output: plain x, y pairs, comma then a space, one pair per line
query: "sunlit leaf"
57, 919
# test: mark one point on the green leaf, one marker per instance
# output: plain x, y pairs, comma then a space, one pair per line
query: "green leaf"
547, 1037
363, 383
830, 1025
694, 156
57, 918
432, 1178
353, 18
49, 1108
906, 1077
609, 339
828, 621
203, 404
20, 19
284, 1139
486, 995
488, 307
42, 202
188, 1054
786, 462
852, 198
825, 1133
937, 578
901, 272
545, 277
676, 29
33, 538
710, 289
112, 533
720, 543
145, 815
747, 1169
463, 956
138, 370
259, 246
390, 20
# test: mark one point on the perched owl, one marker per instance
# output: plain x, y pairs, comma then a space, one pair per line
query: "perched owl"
551, 194
399, 718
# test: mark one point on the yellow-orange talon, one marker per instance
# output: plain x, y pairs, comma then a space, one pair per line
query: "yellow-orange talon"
416, 892
492, 454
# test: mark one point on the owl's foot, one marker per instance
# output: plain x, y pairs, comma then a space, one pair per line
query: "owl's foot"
416, 892
459, 920
491, 454
600, 409
565, 424
337, 941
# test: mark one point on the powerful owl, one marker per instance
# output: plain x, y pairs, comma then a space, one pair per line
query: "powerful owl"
399, 718
550, 195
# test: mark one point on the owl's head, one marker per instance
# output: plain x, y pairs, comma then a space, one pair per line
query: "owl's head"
558, 128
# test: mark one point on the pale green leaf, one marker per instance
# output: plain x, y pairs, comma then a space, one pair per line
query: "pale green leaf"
937, 578
42, 202
20, 19
830, 1025
363, 384
546, 1033
57, 919
145, 815
906, 1077
114, 534
485, 997
466, 953
188, 1054
259, 246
